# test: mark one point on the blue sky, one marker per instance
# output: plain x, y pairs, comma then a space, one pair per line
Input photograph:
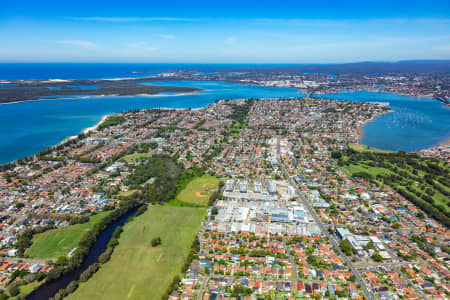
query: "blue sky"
224, 31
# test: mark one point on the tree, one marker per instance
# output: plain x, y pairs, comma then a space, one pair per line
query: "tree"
156, 242
377, 257
13, 289
3, 296
345, 246
61, 261
336, 154
117, 232
105, 256
73, 285
364, 175
396, 225
239, 289
314, 260
88, 272
113, 243
19, 205
369, 245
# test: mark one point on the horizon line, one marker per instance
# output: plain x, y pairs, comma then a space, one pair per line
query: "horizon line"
228, 63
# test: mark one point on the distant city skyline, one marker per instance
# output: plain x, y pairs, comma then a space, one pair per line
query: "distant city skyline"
225, 32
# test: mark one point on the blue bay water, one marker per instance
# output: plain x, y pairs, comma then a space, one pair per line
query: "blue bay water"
28, 127
414, 124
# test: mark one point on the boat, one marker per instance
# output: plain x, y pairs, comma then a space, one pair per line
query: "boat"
442, 99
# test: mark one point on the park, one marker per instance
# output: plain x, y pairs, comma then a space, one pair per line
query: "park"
199, 190
136, 269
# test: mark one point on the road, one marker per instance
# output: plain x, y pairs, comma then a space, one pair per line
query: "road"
202, 288
409, 229
292, 260
26, 260
232, 277
403, 277
311, 211
200, 239
253, 153
387, 263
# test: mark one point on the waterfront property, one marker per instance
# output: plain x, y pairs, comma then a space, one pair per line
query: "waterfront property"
415, 123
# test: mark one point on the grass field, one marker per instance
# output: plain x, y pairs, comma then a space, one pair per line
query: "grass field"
352, 169
136, 157
198, 190
124, 194
136, 269
26, 289
363, 148
59, 242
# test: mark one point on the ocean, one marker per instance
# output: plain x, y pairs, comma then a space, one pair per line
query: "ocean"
29, 71
28, 127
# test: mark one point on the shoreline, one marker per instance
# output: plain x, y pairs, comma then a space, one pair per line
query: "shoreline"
65, 140
160, 94
95, 127
101, 96
361, 128
441, 144
84, 131
447, 142
377, 91
103, 119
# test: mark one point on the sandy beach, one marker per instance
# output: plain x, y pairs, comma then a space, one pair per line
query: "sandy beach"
93, 128
84, 131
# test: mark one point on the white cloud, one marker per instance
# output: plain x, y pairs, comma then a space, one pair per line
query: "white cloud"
443, 48
303, 22
167, 36
230, 40
142, 46
135, 19
342, 22
84, 44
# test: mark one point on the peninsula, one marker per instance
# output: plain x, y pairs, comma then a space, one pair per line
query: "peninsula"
29, 90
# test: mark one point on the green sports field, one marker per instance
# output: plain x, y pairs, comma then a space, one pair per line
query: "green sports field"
361, 147
198, 190
136, 269
59, 242
136, 157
